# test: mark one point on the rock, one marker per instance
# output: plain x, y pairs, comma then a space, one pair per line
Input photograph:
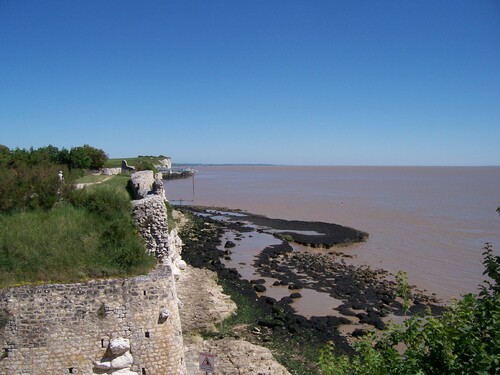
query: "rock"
181, 264
259, 288
122, 362
104, 365
229, 244
358, 332
164, 315
234, 357
286, 300
142, 183
295, 286
295, 295
119, 346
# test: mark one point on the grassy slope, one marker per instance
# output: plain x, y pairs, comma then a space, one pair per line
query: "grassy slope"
70, 244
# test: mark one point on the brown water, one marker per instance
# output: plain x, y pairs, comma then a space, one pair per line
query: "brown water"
429, 221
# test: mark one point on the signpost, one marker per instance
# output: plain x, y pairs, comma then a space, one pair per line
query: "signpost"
207, 362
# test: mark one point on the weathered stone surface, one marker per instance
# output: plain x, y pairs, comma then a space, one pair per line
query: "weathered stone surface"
166, 163
55, 327
126, 169
111, 171
123, 361
150, 215
119, 346
205, 303
142, 183
234, 357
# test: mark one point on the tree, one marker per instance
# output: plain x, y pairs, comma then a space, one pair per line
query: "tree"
5, 156
79, 158
98, 157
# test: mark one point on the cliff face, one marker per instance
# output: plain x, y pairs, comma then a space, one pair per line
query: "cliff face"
127, 326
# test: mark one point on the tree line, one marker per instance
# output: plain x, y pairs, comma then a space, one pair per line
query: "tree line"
29, 178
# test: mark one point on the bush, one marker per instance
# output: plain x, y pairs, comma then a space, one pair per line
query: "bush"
464, 340
105, 201
144, 165
96, 237
34, 187
121, 245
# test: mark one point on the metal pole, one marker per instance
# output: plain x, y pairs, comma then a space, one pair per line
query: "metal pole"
193, 184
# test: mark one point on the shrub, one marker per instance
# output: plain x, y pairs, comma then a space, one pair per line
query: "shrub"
465, 339
31, 187
105, 201
145, 165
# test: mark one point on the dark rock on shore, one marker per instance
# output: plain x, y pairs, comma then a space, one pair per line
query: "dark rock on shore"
366, 293
229, 244
259, 288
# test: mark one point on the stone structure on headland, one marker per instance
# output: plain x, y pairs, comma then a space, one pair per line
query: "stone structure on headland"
110, 326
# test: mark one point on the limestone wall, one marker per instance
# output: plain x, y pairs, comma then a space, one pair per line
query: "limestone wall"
63, 329
67, 329
111, 171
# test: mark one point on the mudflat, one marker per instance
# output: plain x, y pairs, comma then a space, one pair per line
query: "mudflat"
366, 297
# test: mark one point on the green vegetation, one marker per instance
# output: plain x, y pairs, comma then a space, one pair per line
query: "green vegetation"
29, 179
92, 179
91, 236
140, 162
464, 340
50, 232
295, 351
170, 216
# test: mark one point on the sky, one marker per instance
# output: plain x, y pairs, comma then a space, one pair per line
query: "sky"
290, 82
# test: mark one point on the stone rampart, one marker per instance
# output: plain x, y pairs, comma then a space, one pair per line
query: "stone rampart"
70, 329
65, 329
110, 171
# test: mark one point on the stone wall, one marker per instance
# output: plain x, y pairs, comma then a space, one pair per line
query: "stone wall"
67, 329
110, 171
64, 329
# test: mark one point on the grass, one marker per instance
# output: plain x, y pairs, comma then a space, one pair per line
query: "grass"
116, 163
92, 179
92, 235
297, 352
118, 182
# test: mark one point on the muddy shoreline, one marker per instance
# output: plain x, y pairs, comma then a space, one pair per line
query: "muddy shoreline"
367, 295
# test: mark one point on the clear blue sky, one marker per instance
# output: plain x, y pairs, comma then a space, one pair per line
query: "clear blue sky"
285, 82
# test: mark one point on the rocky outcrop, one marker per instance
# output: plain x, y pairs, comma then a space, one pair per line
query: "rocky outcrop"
234, 357
166, 163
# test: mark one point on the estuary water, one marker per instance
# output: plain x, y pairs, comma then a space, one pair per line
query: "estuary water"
431, 222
